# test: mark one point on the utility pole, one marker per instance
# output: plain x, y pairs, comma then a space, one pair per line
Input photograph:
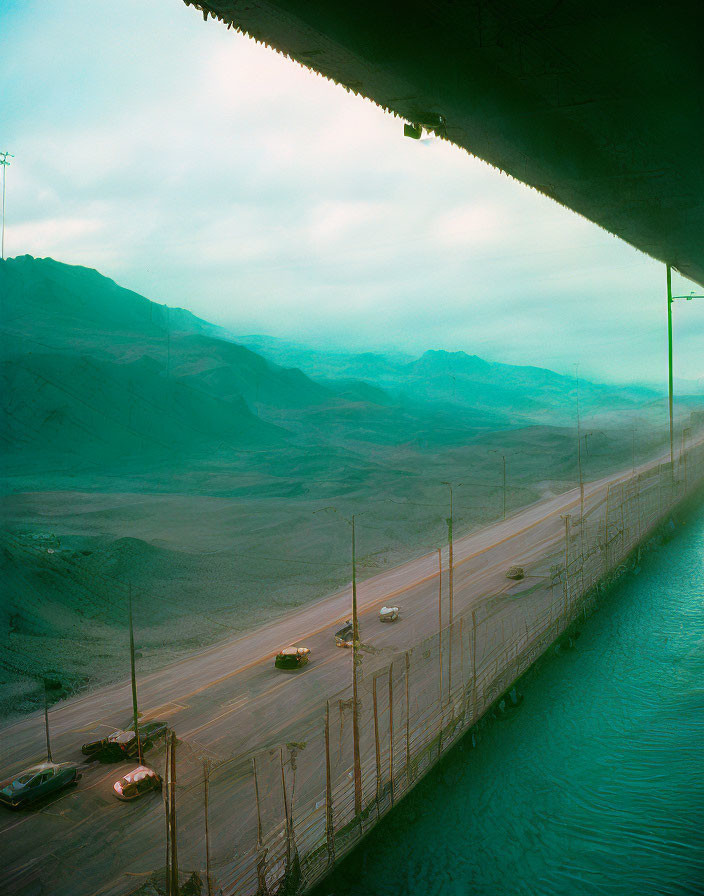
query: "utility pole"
355, 710
173, 882
4, 161
329, 822
167, 808
670, 299
634, 451
168, 341
669, 364
579, 451
356, 659
440, 615
503, 460
46, 724
450, 592
134, 682
450, 557
567, 518
206, 793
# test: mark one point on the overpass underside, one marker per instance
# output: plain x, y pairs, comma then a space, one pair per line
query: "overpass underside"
599, 106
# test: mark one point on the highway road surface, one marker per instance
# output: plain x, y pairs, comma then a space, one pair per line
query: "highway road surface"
230, 701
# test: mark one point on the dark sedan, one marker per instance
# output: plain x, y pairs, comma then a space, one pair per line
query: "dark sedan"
124, 743
345, 636
36, 783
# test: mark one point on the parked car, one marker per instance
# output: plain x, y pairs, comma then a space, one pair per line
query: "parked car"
136, 783
292, 658
515, 572
345, 636
37, 782
124, 743
388, 614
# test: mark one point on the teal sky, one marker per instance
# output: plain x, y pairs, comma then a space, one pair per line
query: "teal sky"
205, 171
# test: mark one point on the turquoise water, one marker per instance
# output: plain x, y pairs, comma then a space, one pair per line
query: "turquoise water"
594, 785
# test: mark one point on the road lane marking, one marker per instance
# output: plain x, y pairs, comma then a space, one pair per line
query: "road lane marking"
370, 605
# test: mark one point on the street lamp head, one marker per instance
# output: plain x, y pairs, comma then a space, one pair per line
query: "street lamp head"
325, 509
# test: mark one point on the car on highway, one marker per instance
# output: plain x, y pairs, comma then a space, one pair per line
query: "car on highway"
124, 743
388, 614
136, 783
345, 636
292, 658
37, 782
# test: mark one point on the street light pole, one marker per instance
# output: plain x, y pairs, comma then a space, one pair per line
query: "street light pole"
4, 161
450, 560
356, 659
670, 299
450, 554
46, 724
634, 451
579, 451
355, 712
503, 458
134, 682
669, 365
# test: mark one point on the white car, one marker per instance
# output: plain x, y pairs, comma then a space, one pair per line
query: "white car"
388, 614
136, 783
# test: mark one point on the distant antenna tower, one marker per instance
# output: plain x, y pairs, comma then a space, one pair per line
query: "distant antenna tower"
4, 161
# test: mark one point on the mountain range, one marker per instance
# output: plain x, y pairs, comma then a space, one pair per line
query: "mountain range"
96, 372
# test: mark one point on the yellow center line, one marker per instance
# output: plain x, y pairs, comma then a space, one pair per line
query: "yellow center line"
277, 686
371, 604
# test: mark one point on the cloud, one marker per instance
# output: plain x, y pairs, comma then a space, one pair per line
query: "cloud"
196, 167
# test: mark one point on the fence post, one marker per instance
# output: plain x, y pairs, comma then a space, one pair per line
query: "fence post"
329, 822
408, 719
462, 666
474, 666
167, 810
288, 824
206, 789
377, 745
391, 730
172, 816
566, 517
256, 798
440, 617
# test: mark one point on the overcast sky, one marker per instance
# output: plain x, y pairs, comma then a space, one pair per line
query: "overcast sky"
205, 171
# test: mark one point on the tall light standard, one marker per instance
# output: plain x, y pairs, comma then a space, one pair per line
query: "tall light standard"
355, 663
450, 561
46, 724
449, 550
135, 714
579, 448
4, 161
670, 300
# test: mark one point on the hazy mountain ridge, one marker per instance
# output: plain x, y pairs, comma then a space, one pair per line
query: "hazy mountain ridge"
528, 394
94, 371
